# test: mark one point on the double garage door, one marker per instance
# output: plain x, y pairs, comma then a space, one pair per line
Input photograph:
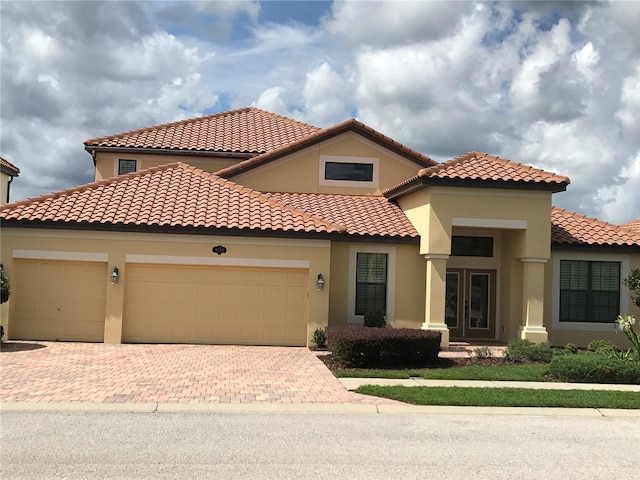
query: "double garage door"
232, 305
163, 303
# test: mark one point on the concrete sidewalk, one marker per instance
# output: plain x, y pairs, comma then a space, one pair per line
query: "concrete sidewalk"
353, 383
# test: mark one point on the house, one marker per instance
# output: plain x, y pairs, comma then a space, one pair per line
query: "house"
245, 227
7, 173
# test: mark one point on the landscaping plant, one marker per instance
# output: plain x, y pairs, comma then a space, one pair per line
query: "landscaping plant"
376, 319
5, 289
521, 350
625, 323
319, 338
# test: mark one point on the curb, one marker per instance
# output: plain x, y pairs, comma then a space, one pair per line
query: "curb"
312, 408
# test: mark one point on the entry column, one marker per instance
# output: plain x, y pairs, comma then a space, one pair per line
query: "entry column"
532, 327
434, 312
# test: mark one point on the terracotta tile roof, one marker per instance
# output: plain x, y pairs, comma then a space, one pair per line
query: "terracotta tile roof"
481, 167
247, 130
360, 214
348, 125
9, 168
570, 228
176, 195
633, 225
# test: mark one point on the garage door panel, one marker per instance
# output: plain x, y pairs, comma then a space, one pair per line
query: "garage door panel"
58, 300
211, 304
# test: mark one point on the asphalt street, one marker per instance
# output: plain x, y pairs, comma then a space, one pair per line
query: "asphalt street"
268, 445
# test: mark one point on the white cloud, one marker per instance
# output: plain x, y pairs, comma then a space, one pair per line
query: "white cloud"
552, 84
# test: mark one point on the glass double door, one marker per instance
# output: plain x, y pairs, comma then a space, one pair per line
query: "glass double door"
470, 303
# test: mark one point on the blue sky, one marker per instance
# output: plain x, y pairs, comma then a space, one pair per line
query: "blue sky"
552, 84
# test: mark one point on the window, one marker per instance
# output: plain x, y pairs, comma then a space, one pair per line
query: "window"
371, 283
355, 172
347, 171
471, 246
126, 166
589, 291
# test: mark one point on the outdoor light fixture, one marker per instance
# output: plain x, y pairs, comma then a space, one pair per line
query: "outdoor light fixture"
320, 282
115, 276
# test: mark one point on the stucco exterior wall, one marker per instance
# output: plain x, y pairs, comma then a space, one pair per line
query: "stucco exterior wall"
107, 162
167, 248
409, 285
579, 333
300, 172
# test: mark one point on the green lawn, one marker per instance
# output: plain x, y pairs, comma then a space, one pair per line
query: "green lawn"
505, 397
521, 373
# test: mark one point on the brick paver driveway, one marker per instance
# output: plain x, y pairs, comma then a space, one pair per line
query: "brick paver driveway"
99, 373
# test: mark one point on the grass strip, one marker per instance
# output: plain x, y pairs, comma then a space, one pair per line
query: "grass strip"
516, 373
505, 397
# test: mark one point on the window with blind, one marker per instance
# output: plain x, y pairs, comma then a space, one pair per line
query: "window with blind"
126, 166
371, 282
589, 291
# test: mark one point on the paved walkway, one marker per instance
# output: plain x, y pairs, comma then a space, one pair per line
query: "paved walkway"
60, 372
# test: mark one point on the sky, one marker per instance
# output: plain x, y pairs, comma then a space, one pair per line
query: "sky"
555, 85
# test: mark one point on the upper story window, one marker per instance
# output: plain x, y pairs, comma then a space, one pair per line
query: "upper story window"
589, 291
356, 172
471, 246
126, 166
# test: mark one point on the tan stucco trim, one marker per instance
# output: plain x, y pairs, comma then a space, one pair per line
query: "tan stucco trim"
324, 159
487, 192
58, 255
489, 223
229, 262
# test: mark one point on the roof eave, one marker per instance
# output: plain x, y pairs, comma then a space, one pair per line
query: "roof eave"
418, 183
92, 149
594, 247
225, 232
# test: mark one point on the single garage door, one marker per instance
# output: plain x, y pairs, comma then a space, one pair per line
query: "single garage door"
215, 305
58, 300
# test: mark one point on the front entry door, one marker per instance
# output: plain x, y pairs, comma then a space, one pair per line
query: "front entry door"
471, 303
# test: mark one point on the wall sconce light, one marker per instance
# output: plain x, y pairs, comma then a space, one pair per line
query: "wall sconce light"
115, 276
320, 282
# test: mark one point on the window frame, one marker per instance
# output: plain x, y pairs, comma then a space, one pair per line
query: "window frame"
352, 318
324, 159
623, 291
119, 165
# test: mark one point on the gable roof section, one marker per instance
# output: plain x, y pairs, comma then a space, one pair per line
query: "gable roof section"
569, 228
633, 225
244, 131
174, 195
475, 169
8, 168
321, 135
363, 215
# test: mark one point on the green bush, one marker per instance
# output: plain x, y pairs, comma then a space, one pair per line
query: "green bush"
362, 347
601, 346
521, 350
319, 338
594, 368
5, 289
376, 319
571, 348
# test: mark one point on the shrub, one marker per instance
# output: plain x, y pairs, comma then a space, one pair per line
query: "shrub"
376, 319
571, 348
319, 338
601, 346
5, 289
520, 350
594, 368
363, 347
